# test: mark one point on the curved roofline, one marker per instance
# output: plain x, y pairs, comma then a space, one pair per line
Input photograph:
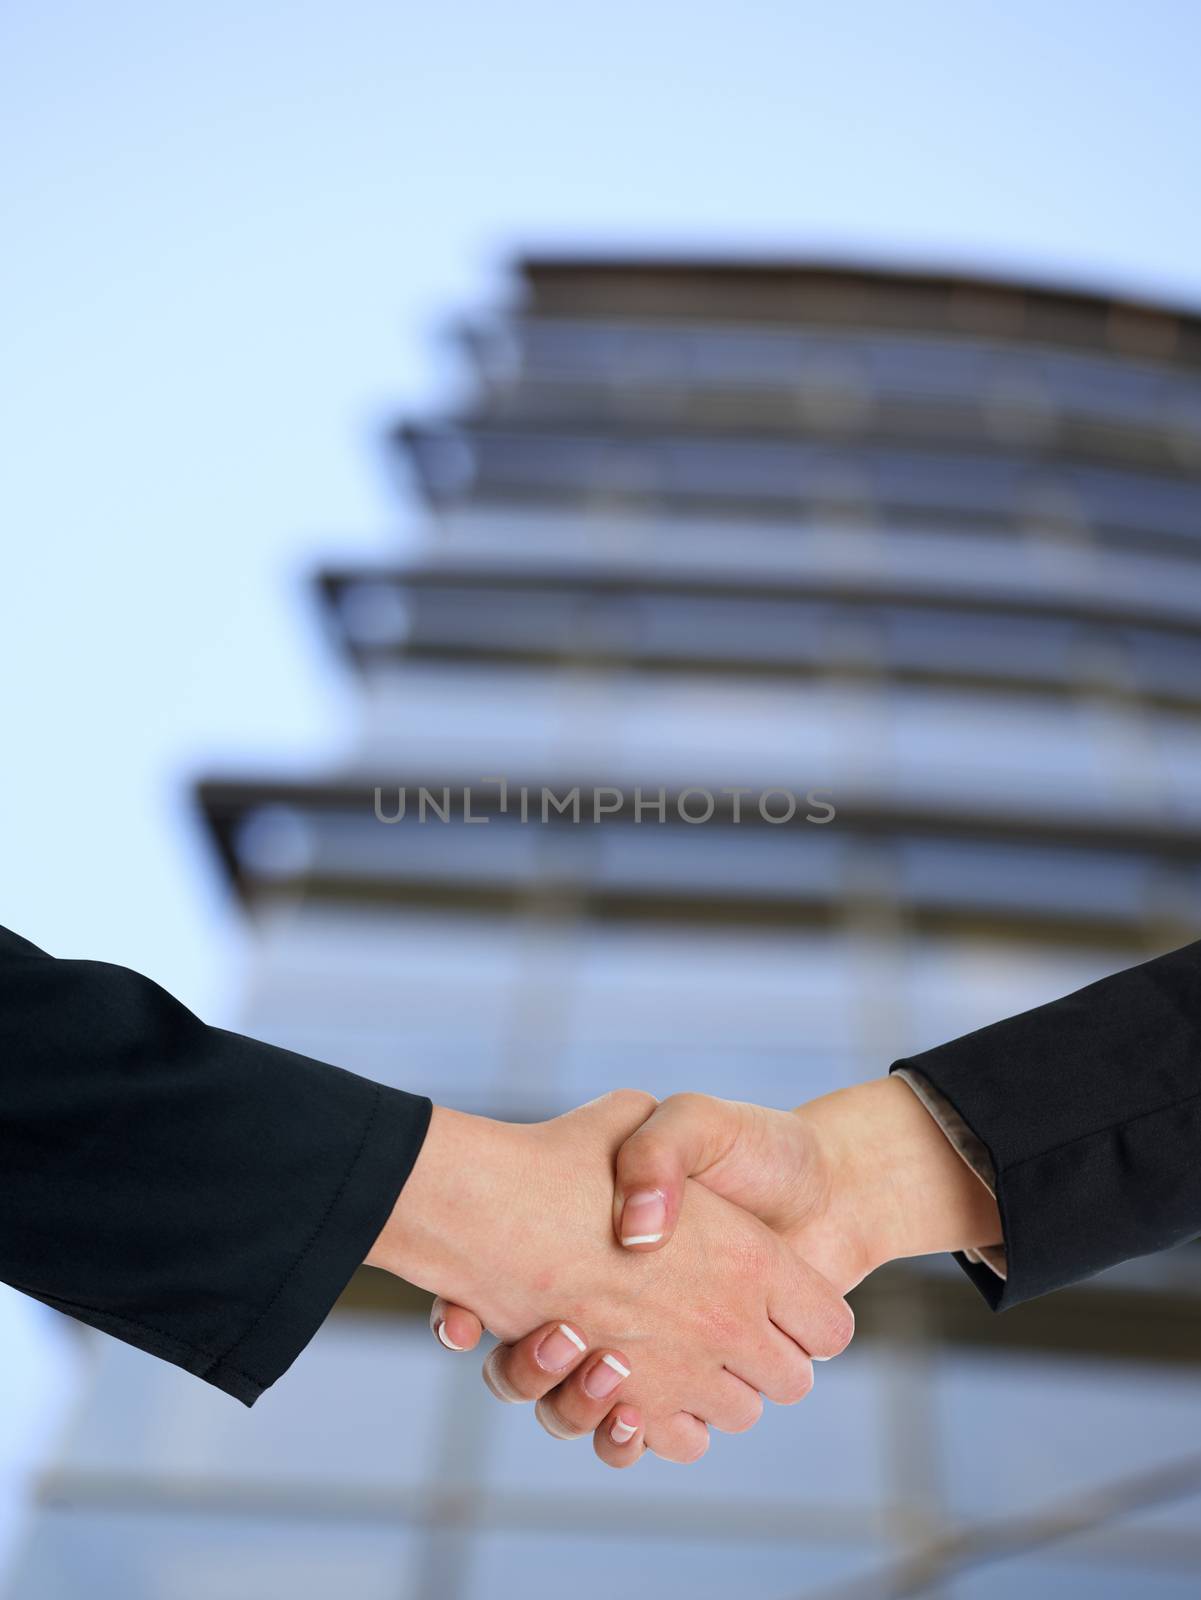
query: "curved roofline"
854, 271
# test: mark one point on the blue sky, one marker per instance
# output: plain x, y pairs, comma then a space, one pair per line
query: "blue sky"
235, 229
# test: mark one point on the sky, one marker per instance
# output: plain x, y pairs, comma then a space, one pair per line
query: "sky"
237, 232
234, 237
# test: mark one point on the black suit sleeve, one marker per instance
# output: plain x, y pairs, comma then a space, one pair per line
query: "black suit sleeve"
198, 1194
1090, 1109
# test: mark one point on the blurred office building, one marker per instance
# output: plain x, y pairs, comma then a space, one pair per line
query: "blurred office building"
707, 539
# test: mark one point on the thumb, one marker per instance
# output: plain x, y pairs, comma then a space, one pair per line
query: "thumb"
682, 1137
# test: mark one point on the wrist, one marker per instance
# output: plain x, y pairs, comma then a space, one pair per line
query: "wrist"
897, 1185
443, 1233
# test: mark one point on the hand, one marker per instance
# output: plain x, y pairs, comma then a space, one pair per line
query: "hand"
514, 1222
850, 1181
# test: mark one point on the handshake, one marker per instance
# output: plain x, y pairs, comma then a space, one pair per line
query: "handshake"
654, 1270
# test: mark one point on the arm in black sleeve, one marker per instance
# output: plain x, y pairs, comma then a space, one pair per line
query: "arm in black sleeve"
1090, 1111
198, 1194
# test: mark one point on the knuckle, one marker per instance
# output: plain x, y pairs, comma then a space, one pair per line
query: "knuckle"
839, 1329
798, 1384
634, 1102
694, 1450
683, 1440
747, 1416
689, 1102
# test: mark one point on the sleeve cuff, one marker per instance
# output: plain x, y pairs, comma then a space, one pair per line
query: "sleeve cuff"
394, 1129
971, 1150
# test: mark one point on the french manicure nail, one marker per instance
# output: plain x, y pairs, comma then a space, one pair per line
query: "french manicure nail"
440, 1330
621, 1432
604, 1377
644, 1217
561, 1345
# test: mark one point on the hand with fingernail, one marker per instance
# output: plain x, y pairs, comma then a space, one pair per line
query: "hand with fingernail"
848, 1182
515, 1221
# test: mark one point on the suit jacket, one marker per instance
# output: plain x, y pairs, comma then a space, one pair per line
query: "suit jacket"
207, 1197
196, 1193
1090, 1111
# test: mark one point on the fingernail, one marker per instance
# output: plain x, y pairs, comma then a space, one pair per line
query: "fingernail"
494, 1377
604, 1377
621, 1432
644, 1217
561, 1345
440, 1330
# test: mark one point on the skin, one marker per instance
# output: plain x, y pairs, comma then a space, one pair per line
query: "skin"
848, 1182
515, 1221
